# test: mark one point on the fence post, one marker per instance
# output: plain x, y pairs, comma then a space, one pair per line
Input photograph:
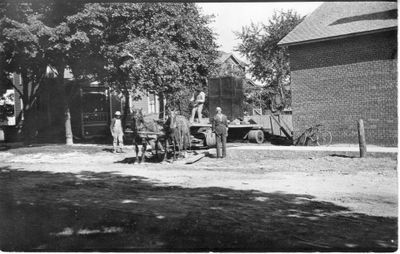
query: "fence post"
361, 138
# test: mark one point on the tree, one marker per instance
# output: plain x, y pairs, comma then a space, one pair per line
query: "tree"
269, 63
21, 52
180, 54
31, 41
161, 48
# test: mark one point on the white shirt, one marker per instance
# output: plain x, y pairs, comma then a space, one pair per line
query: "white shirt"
200, 98
117, 125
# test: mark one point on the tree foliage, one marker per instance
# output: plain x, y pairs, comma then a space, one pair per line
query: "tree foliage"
32, 39
151, 47
269, 63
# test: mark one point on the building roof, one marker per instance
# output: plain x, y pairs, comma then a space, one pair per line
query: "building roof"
342, 19
223, 56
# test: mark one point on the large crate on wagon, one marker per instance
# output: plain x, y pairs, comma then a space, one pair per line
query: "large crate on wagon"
227, 93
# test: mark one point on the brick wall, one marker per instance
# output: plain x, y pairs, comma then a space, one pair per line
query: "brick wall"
337, 82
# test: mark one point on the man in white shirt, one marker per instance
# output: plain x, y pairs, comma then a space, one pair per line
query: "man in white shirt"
198, 100
117, 132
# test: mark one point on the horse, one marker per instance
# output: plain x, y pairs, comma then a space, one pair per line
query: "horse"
139, 124
179, 132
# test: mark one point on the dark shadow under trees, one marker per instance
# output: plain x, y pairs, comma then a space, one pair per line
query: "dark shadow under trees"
108, 212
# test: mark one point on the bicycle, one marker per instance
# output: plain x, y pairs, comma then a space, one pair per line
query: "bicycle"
315, 136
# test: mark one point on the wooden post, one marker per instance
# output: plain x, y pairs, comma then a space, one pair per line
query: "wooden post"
361, 138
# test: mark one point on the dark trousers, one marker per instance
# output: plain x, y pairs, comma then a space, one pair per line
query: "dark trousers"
221, 140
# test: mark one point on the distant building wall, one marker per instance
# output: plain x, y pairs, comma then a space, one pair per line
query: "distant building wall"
337, 82
230, 68
148, 103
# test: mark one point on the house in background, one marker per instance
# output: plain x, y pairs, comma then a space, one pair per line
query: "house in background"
92, 106
10, 103
228, 65
95, 104
343, 61
148, 102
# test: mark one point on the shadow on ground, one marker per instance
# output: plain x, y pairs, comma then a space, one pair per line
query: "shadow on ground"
210, 155
343, 156
147, 159
41, 211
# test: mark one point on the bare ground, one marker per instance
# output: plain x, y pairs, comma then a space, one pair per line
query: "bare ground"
252, 200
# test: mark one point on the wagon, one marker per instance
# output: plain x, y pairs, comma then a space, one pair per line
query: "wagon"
202, 135
227, 93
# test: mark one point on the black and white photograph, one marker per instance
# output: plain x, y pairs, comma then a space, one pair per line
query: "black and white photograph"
146, 126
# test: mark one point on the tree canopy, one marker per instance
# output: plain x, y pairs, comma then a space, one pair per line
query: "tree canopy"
269, 63
152, 47
32, 39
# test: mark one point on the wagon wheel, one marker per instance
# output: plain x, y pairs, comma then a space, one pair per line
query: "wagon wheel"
256, 136
210, 139
158, 149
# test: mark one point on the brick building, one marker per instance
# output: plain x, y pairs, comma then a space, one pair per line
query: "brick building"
343, 60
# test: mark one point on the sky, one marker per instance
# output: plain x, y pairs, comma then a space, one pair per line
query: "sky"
230, 17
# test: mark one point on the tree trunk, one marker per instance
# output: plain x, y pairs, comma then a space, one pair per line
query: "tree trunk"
29, 126
67, 114
282, 93
68, 129
126, 108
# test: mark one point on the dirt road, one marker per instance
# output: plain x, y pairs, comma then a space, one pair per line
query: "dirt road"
314, 197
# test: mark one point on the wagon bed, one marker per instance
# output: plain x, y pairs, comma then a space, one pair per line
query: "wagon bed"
204, 136
251, 126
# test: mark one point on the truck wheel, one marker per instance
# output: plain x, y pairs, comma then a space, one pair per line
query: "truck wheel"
256, 136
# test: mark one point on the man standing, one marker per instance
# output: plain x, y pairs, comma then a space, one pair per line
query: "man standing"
198, 100
117, 132
220, 128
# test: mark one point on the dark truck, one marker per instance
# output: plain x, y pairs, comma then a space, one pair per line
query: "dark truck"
227, 93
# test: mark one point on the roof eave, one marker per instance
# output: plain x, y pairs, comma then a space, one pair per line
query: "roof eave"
336, 37
239, 62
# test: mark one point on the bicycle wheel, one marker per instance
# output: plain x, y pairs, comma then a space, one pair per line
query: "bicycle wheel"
324, 138
312, 140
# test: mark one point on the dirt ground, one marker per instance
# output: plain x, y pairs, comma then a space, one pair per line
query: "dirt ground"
250, 201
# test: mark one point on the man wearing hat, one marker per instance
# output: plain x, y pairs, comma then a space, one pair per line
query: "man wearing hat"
117, 132
198, 100
220, 128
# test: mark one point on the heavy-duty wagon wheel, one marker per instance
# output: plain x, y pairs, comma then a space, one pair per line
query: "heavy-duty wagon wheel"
256, 136
210, 139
